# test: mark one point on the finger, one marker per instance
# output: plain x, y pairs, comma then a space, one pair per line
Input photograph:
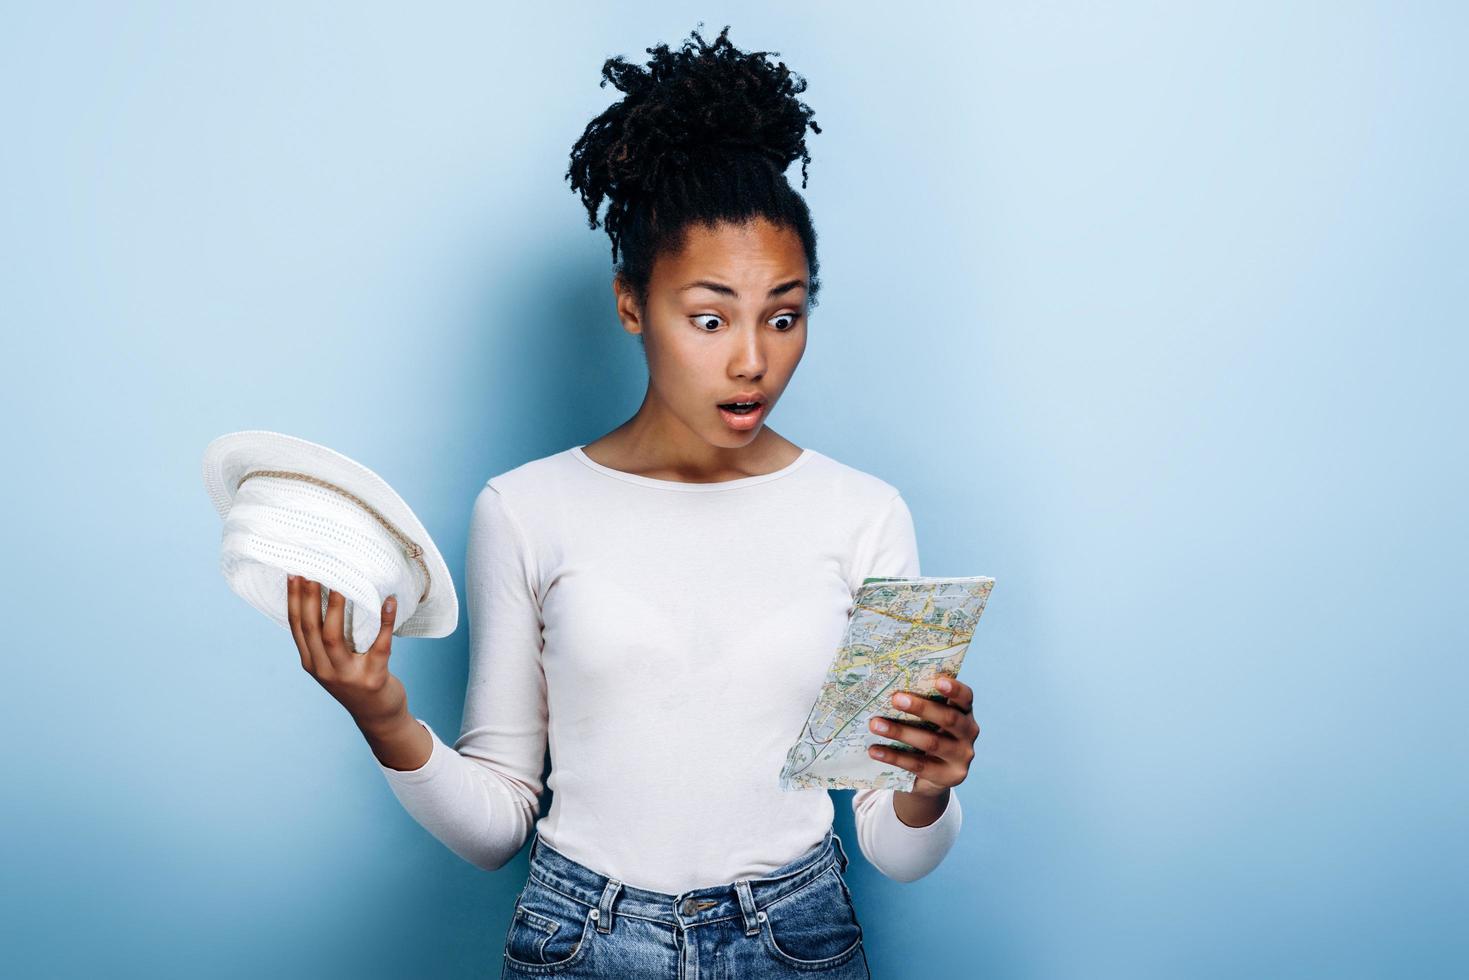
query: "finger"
950, 719
940, 744
925, 765
382, 646
293, 612
959, 694
310, 606
332, 639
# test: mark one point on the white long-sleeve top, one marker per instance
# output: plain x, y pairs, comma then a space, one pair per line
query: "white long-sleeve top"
668, 639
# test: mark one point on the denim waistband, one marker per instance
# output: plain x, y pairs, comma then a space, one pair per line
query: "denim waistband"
608, 896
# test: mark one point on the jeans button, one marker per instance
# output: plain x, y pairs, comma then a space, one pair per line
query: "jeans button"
689, 908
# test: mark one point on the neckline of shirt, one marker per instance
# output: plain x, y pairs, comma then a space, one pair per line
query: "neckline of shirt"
648, 481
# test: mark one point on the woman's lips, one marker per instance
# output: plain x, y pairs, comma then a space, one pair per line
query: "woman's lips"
747, 421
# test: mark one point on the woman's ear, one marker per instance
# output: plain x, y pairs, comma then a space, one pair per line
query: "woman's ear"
627, 307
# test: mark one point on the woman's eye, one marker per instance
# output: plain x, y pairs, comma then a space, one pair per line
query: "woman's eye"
703, 320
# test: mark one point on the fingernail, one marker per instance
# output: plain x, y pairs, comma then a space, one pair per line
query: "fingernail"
392, 603
945, 685
901, 700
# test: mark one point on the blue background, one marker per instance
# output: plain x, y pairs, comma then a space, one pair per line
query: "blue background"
1179, 291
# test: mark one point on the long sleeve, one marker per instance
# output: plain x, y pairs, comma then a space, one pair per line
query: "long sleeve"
901, 852
480, 797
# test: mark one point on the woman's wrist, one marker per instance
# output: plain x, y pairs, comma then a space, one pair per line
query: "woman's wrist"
917, 810
399, 741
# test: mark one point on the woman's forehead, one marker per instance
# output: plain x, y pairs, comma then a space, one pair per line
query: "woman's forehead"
748, 258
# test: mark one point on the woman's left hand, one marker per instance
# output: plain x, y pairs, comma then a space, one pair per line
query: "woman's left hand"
943, 756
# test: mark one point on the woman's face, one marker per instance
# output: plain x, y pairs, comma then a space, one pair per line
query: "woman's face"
726, 319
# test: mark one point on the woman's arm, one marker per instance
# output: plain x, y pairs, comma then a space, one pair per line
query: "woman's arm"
901, 851
480, 797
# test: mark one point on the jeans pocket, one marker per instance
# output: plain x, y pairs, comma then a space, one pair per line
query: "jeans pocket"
814, 927
548, 931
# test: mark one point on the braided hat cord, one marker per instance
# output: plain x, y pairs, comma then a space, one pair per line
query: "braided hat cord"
411, 547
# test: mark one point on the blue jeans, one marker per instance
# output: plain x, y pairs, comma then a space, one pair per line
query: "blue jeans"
573, 922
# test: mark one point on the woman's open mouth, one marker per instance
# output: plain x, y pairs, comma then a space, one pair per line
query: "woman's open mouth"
742, 415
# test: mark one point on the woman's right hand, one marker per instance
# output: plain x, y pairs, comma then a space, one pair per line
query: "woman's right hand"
360, 682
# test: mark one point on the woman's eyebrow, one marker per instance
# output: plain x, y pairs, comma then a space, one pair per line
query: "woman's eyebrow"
720, 287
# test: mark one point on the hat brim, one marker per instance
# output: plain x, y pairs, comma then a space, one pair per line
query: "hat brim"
231, 456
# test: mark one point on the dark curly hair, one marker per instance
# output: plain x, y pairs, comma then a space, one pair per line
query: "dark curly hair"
704, 133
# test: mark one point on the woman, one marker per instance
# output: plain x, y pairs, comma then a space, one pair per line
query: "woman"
661, 604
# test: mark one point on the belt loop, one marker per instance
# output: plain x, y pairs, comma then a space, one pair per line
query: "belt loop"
841, 851
604, 911
747, 906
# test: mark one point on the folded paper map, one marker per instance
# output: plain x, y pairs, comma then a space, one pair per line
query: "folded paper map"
902, 632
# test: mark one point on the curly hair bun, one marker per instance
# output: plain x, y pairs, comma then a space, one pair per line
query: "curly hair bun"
692, 106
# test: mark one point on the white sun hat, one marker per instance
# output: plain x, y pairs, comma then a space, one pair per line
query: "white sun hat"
292, 507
